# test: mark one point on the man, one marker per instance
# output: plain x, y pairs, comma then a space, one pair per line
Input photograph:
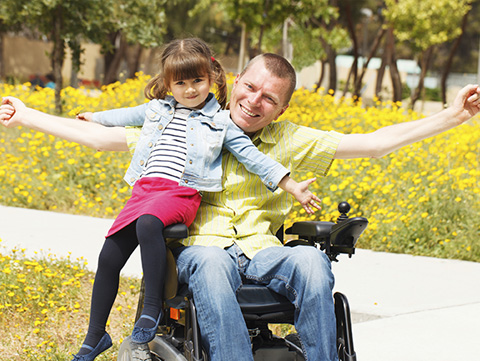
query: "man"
232, 239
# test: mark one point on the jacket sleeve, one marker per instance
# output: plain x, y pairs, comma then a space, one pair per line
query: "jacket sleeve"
241, 146
122, 117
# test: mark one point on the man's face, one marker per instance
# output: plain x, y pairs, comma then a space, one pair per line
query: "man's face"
257, 98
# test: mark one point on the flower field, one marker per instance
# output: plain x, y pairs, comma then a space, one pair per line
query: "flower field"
45, 303
423, 199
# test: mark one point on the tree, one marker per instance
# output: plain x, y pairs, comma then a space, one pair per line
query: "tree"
357, 15
134, 25
258, 18
448, 63
424, 25
63, 22
318, 37
8, 22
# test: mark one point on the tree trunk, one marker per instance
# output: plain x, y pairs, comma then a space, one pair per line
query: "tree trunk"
114, 59
322, 75
424, 65
448, 63
351, 30
58, 55
2, 56
376, 43
243, 47
350, 72
394, 73
134, 54
332, 69
76, 50
381, 71
258, 49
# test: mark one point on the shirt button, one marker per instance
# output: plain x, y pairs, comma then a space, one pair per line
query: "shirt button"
150, 144
132, 180
191, 145
160, 126
269, 183
190, 162
142, 162
170, 112
186, 181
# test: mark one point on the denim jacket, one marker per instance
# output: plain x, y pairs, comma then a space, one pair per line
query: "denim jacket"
208, 130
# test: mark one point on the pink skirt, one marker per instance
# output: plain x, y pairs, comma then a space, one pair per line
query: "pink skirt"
162, 198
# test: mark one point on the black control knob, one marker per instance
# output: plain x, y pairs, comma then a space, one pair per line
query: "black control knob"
343, 208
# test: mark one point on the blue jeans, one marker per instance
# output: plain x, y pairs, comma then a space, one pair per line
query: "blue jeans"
302, 274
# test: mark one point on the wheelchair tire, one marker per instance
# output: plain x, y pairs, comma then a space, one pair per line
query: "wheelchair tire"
158, 350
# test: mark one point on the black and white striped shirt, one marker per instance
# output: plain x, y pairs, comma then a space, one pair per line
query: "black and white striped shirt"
168, 156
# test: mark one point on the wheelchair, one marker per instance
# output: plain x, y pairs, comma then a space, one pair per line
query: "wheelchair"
178, 335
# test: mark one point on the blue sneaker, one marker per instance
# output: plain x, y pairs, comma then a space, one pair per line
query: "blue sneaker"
104, 344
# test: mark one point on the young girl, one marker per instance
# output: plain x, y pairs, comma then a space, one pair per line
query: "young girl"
177, 156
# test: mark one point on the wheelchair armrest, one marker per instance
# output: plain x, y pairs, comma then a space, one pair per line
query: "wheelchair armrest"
311, 229
178, 230
344, 235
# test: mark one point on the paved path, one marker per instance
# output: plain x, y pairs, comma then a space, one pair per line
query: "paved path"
405, 308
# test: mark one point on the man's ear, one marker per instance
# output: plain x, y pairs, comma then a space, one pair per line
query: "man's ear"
282, 111
237, 78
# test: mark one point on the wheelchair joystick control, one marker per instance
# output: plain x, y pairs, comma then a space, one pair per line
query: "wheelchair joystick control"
343, 208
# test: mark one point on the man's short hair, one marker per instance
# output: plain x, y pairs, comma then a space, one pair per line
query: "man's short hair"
279, 67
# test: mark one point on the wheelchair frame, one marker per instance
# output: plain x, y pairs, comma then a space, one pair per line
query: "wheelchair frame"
178, 336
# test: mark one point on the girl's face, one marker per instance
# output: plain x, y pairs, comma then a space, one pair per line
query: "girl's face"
191, 93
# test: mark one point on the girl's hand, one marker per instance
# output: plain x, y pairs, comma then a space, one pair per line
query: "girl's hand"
309, 201
87, 116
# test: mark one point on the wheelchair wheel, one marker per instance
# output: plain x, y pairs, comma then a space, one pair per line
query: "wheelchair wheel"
157, 350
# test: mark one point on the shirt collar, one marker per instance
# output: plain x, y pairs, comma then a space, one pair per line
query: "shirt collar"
266, 135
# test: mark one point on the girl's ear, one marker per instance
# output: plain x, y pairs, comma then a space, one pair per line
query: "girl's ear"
166, 84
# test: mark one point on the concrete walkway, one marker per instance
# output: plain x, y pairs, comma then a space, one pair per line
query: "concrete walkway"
404, 308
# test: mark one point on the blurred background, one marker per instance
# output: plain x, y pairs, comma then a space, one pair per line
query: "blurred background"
393, 49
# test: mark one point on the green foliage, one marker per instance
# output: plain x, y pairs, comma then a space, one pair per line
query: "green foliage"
307, 46
141, 21
426, 23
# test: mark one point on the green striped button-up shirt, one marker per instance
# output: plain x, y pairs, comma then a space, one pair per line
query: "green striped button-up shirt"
245, 212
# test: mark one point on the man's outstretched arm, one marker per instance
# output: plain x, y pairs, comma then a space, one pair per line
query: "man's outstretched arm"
388, 139
14, 113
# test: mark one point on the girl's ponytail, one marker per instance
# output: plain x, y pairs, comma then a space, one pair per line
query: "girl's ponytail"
221, 83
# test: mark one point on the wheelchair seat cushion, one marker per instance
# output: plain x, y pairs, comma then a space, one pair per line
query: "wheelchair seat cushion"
259, 300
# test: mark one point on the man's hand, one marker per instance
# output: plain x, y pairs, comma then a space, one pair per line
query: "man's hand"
467, 103
10, 109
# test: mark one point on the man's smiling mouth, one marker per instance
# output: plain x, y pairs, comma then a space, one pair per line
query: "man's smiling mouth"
246, 111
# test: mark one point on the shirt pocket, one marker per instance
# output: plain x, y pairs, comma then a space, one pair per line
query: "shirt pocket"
211, 137
152, 122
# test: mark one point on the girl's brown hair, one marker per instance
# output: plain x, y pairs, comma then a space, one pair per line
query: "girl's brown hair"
186, 59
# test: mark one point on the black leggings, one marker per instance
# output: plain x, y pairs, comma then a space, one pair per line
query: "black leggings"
146, 231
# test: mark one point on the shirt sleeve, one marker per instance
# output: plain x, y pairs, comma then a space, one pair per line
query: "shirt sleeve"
312, 149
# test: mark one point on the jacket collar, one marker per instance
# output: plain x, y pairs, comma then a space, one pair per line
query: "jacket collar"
210, 108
